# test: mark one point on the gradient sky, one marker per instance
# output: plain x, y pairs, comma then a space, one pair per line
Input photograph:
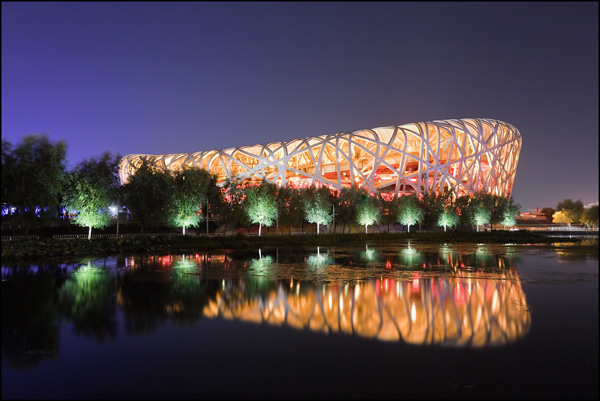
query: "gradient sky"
160, 78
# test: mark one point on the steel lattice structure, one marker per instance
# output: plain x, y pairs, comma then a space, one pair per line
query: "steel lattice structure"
466, 155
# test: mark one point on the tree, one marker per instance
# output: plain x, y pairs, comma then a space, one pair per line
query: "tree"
91, 188
509, 212
289, 207
215, 203
409, 211
190, 193
388, 211
481, 215
492, 204
497, 206
367, 212
448, 218
229, 208
589, 217
562, 217
261, 204
8, 173
33, 178
149, 195
433, 205
548, 211
346, 208
481, 206
316, 206
571, 210
462, 204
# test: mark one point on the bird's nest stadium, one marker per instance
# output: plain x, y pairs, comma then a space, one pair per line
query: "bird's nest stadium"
465, 155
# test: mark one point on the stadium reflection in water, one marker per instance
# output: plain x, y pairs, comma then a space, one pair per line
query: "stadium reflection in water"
463, 298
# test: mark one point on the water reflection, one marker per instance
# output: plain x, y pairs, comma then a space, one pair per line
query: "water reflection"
320, 258
586, 248
466, 295
86, 299
475, 312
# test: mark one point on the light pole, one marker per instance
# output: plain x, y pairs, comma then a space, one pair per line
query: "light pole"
333, 215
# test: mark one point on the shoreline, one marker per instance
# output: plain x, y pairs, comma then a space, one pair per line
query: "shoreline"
34, 250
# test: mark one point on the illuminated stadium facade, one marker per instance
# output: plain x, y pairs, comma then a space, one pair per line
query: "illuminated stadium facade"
466, 155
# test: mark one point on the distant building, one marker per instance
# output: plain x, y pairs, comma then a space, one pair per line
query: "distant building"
467, 156
532, 216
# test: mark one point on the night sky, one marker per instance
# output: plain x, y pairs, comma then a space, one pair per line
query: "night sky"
162, 78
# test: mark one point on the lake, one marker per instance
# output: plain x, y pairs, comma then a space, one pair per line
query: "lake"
376, 321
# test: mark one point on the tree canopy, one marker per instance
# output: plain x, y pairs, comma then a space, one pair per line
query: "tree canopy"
367, 211
91, 188
32, 178
409, 210
571, 210
149, 195
548, 211
190, 193
317, 208
448, 218
589, 217
261, 204
290, 207
508, 211
481, 207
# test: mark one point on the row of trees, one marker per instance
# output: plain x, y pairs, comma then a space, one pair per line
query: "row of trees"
34, 175
573, 212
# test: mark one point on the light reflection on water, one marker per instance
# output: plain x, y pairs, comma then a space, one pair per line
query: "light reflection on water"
468, 298
460, 295
462, 311
478, 319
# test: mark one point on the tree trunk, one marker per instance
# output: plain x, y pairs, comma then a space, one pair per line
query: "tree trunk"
90, 232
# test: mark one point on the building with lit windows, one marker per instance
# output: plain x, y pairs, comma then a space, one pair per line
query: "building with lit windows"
467, 155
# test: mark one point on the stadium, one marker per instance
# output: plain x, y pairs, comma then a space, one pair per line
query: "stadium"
465, 155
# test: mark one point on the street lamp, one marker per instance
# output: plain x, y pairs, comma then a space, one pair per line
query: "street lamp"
115, 212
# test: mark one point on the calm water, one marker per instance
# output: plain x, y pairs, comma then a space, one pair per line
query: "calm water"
408, 321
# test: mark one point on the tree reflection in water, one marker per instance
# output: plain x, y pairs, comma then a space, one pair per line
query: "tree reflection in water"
30, 315
87, 300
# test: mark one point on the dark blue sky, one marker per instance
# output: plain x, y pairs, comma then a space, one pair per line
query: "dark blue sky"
170, 77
